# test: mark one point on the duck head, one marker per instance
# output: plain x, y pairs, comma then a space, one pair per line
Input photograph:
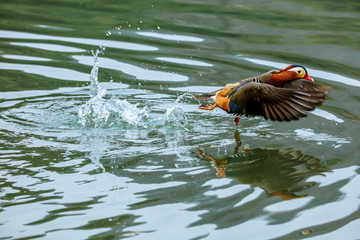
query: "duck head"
289, 73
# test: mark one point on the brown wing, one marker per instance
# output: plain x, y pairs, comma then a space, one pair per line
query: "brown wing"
264, 78
277, 104
306, 85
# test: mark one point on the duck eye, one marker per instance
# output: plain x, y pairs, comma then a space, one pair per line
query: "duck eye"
298, 71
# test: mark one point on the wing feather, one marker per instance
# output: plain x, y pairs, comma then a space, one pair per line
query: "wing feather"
277, 104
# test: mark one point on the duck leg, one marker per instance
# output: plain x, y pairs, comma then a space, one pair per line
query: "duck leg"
236, 120
207, 107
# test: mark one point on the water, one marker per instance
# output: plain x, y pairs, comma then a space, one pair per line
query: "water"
101, 139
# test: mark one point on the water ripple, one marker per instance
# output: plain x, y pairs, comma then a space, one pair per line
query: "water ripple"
46, 71
48, 47
93, 42
171, 37
26, 58
137, 72
185, 61
155, 164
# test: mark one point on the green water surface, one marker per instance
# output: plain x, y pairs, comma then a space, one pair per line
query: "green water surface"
100, 137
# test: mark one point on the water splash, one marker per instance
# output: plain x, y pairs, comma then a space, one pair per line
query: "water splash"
99, 112
175, 115
102, 111
95, 89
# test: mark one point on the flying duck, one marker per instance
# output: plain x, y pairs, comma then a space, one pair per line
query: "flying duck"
278, 95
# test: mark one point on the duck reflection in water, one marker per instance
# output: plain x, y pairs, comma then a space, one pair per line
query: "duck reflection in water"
280, 172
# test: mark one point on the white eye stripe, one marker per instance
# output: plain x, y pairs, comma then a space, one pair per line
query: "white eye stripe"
297, 70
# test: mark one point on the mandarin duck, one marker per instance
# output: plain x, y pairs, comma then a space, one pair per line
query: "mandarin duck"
278, 95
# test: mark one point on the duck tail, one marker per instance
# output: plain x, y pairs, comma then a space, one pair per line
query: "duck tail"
207, 96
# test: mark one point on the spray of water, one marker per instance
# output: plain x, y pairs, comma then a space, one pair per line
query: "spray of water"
106, 111
175, 115
101, 112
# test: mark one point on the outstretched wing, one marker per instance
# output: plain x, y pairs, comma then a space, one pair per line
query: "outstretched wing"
306, 85
277, 104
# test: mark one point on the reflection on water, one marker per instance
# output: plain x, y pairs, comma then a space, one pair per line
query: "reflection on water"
113, 146
280, 172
